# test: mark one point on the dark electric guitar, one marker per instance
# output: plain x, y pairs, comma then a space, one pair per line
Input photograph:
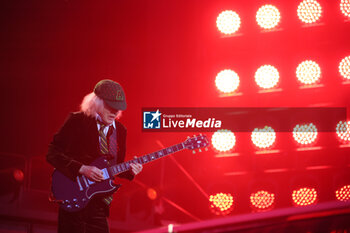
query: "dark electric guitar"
75, 195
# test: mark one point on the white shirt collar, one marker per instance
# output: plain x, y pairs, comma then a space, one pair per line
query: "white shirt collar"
98, 117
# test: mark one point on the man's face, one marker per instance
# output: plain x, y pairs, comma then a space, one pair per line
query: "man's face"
108, 114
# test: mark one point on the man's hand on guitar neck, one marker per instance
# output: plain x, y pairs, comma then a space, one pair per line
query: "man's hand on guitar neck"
136, 168
92, 172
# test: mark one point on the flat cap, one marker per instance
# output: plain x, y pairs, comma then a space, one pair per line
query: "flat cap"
112, 93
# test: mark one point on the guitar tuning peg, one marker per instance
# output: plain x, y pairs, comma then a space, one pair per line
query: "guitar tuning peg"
199, 150
193, 152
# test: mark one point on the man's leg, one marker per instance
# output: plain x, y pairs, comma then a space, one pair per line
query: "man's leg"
70, 222
96, 221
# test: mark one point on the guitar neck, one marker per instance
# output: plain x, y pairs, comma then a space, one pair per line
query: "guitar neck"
122, 167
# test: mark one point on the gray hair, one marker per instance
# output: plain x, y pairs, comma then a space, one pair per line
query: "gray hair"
92, 105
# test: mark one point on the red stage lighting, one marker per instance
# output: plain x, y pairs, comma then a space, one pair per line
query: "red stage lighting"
221, 203
308, 72
263, 138
343, 131
267, 76
11, 180
343, 194
227, 81
18, 175
268, 16
344, 67
262, 199
309, 11
305, 134
304, 196
228, 22
223, 140
151, 194
345, 7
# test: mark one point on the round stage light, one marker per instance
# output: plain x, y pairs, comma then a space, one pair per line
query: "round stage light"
267, 76
305, 134
18, 175
223, 140
268, 16
221, 203
345, 7
308, 72
304, 196
228, 22
343, 131
343, 194
262, 199
263, 138
227, 81
151, 194
344, 67
309, 11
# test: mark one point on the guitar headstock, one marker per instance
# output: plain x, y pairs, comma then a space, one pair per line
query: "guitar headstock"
196, 142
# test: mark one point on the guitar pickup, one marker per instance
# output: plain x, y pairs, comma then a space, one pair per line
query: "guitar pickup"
80, 187
86, 181
105, 174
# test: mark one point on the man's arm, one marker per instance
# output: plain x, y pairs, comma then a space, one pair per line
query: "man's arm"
57, 153
58, 157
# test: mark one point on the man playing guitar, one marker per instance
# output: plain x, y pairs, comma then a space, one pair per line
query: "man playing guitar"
90, 134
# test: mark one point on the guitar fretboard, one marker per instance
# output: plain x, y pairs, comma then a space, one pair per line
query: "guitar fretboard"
122, 167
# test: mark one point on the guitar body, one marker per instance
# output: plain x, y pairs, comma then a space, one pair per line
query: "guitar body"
75, 195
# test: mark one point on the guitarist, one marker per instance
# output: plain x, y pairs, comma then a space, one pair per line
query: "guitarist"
86, 135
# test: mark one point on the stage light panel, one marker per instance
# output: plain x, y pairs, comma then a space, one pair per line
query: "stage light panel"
221, 203
262, 199
304, 196
309, 11
345, 7
343, 131
263, 138
223, 140
228, 22
268, 16
308, 72
305, 134
227, 81
343, 193
267, 76
344, 67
